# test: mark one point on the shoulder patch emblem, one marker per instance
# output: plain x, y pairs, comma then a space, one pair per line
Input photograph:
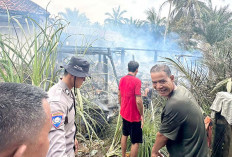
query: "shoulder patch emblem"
57, 119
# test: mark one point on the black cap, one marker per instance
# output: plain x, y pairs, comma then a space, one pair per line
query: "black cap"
78, 67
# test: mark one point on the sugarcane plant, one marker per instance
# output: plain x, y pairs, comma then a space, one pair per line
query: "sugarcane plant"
29, 51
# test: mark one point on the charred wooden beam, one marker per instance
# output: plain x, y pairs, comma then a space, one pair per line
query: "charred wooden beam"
105, 70
113, 66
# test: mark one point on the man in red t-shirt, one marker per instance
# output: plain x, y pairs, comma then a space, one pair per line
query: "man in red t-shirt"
131, 110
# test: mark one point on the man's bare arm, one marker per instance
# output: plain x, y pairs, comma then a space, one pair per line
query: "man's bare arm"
139, 103
119, 97
160, 142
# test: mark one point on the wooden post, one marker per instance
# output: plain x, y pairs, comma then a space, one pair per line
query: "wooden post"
122, 57
105, 70
99, 65
112, 63
99, 58
155, 56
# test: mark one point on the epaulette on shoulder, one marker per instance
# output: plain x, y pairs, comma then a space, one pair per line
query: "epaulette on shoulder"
56, 95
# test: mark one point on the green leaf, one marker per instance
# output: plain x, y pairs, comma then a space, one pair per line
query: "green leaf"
228, 85
219, 85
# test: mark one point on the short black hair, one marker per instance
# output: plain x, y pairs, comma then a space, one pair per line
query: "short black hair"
161, 67
22, 115
65, 72
132, 66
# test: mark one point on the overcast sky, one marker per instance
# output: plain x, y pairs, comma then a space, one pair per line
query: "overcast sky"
95, 9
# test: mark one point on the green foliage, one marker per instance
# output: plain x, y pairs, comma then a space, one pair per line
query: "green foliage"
116, 18
75, 17
150, 129
30, 57
221, 84
187, 8
85, 116
215, 25
115, 145
155, 22
218, 59
134, 22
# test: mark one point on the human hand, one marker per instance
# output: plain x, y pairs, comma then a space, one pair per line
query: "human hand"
76, 146
156, 154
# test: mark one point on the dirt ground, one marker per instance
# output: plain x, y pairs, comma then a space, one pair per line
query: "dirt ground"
98, 149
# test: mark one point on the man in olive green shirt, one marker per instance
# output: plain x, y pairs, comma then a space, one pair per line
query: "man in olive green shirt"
182, 125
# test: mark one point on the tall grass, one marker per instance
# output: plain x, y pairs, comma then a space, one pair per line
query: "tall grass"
150, 129
29, 51
86, 111
115, 146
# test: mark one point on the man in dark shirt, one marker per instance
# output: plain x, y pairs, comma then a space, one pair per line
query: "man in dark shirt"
182, 125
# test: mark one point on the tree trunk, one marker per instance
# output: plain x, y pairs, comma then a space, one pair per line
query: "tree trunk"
167, 25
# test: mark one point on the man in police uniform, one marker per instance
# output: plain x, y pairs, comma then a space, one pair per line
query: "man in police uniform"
62, 103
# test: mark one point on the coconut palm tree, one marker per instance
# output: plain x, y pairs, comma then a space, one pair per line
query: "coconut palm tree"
156, 24
132, 27
215, 25
189, 8
134, 22
74, 17
116, 18
168, 18
183, 9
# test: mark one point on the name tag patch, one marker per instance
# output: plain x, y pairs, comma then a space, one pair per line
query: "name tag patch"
57, 119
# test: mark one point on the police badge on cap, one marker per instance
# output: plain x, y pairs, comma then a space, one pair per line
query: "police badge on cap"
78, 67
